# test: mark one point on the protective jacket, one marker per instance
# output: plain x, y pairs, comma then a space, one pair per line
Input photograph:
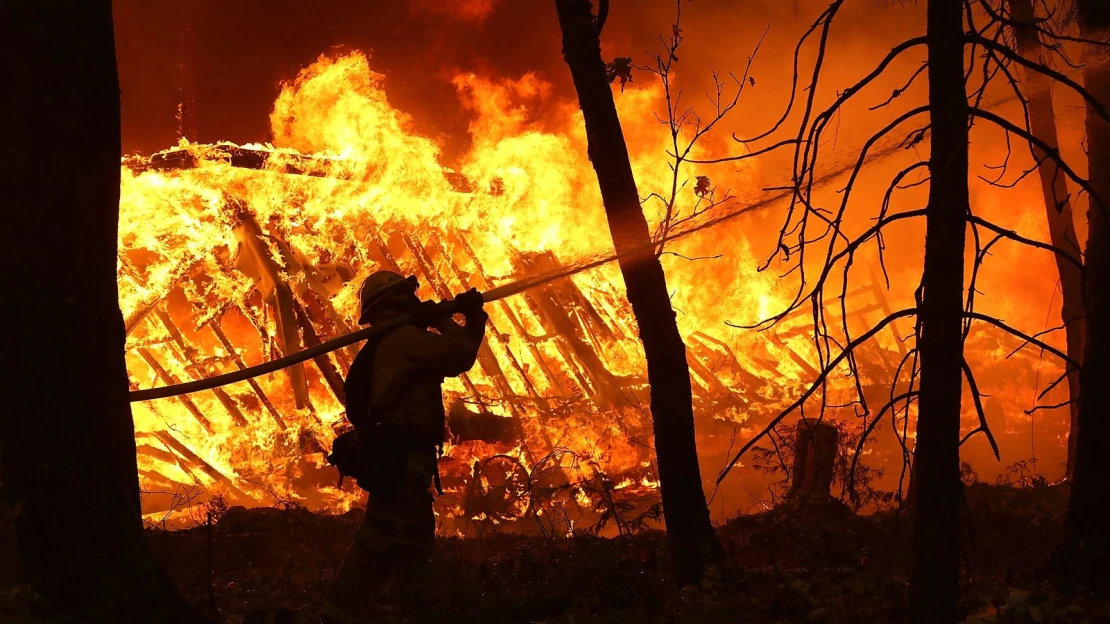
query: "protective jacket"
394, 399
409, 367
397, 389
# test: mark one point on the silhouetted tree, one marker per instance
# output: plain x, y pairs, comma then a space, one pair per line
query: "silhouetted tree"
1058, 206
931, 372
67, 442
1088, 518
934, 579
693, 542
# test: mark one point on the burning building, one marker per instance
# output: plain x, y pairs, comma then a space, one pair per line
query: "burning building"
232, 255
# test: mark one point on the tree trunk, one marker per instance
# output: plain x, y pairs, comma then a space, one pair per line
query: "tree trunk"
934, 581
67, 443
1088, 518
814, 459
1058, 209
693, 542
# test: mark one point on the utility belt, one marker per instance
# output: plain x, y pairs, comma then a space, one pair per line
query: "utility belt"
377, 455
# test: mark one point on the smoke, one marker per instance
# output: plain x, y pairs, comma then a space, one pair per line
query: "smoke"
461, 69
246, 48
466, 10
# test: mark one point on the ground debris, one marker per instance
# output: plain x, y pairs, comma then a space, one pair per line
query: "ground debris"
816, 563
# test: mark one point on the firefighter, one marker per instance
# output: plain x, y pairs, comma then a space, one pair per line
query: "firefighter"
394, 400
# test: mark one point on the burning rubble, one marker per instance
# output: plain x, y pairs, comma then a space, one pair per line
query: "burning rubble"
232, 255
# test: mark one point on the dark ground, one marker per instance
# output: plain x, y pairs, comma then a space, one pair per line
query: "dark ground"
817, 565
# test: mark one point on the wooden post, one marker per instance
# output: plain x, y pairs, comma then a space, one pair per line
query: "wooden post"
170, 379
214, 325
465, 281
487, 360
528, 340
327, 368
256, 261
814, 458
144, 308
189, 354
605, 388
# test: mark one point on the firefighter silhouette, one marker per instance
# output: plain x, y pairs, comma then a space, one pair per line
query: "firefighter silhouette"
394, 401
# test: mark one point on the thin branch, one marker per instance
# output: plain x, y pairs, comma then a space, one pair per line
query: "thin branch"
977, 398
825, 20
1043, 70
829, 368
1053, 153
1016, 332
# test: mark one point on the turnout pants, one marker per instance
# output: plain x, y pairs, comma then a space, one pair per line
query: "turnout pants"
391, 548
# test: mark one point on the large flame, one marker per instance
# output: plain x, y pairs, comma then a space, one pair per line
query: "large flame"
223, 266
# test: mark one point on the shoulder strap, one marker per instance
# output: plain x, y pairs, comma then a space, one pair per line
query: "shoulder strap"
357, 387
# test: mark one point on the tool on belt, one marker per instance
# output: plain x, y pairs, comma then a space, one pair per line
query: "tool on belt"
375, 451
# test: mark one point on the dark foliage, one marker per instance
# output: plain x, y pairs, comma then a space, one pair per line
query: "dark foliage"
819, 564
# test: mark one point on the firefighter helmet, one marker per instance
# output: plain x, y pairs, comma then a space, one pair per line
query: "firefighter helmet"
377, 287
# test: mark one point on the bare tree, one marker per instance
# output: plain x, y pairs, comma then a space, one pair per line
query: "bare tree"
934, 578
686, 128
1037, 89
67, 442
693, 542
933, 371
1089, 501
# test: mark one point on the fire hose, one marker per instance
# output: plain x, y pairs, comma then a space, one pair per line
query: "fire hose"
494, 294
445, 308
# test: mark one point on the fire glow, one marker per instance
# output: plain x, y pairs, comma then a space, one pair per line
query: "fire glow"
234, 255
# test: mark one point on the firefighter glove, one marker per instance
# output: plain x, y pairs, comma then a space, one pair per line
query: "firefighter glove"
469, 302
428, 313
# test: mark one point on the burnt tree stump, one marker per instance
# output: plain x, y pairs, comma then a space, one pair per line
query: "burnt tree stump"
814, 456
